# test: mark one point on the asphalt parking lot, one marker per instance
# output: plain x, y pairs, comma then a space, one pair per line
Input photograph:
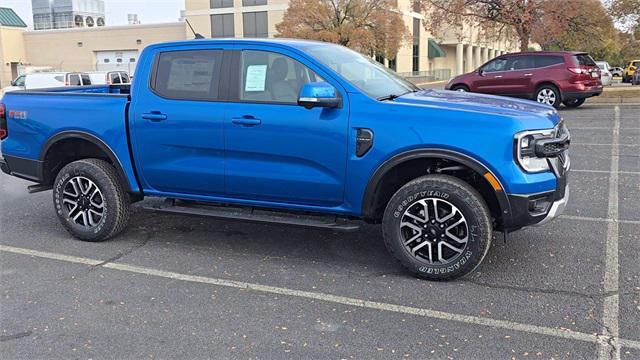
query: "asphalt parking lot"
185, 287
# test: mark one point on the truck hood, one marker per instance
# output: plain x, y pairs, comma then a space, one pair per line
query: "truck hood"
486, 104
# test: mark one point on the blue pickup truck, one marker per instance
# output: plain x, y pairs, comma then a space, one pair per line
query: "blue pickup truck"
293, 132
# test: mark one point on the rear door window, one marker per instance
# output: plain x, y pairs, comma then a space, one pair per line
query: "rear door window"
547, 60
188, 74
521, 62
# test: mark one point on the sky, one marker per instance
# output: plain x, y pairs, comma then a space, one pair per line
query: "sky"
149, 11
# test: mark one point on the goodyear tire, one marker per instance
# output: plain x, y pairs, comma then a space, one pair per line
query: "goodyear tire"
438, 227
90, 200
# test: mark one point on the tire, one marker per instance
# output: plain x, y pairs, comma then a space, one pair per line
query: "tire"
460, 88
447, 193
90, 200
548, 94
573, 103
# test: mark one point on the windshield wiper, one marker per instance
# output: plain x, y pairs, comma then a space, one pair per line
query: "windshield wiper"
388, 97
394, 96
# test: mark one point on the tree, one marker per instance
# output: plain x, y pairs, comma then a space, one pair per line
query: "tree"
626, 13
373, 27
582, 25
494, 17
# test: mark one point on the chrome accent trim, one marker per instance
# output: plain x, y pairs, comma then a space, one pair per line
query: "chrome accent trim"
556, 209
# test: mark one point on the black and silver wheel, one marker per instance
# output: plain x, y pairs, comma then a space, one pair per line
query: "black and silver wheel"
573, 103
549, 95
460, 88
90, 200
438, 227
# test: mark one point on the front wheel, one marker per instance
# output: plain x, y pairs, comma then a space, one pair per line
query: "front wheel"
573, 103
90, 200
460, 88
549, 95
438, 227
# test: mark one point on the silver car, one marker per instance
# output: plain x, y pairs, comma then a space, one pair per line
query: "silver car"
605, 72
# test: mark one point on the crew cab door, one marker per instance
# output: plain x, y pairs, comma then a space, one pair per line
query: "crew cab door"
276, 150
176, 124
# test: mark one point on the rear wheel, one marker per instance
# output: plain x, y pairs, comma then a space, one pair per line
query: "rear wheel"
438, 227
548, 94
573, 103
90, 200
460, 88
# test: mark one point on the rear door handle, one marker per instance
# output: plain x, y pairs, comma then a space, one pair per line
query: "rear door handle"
154, 116
498, 77
246, 121
528, 74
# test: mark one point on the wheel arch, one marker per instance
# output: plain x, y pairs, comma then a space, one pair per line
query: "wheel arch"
375, 199
74, 136
548, 82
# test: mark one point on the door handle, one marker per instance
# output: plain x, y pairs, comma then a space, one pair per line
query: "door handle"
154, 116
498, 77
246, 121
528, 74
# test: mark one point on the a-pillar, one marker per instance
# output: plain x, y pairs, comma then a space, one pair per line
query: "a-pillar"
469, 59
459, 59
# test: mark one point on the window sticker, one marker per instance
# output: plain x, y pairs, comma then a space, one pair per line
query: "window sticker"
256, 78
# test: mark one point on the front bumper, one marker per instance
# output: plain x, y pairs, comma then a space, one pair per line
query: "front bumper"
557, 208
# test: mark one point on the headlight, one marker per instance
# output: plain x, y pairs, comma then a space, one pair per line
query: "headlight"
525, 152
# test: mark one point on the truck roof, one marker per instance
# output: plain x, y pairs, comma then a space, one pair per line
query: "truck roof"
294, 43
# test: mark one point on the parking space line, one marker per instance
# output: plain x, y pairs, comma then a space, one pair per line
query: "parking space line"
336, 299
611, 307
598, 219
595, 144
605, 171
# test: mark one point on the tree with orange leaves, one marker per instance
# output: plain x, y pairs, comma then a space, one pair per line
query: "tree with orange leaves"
373, 27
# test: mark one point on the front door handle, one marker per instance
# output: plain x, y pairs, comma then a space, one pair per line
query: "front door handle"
154, 116
498, 77
246, 121
528, 74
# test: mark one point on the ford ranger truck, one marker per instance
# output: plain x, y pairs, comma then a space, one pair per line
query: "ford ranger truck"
292, 132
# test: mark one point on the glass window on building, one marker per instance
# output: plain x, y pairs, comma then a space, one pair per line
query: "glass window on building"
222, 25
416, 46
253, 2
217, 4
393, 64
254, 24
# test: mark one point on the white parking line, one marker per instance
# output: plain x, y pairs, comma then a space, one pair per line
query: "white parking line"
605, 171
337, 299
601, 144
611, 307
598, 219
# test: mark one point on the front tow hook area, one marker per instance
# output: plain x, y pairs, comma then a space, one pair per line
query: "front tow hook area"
557, 208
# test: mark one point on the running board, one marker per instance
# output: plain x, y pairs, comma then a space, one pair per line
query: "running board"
254, 214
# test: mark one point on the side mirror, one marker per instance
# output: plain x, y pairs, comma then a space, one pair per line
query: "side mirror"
318, 94
480, 72
13, 83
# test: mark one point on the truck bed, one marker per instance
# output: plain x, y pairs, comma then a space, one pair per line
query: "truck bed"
38, 118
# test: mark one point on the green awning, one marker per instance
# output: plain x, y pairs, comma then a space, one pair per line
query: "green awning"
8, 17
435, 50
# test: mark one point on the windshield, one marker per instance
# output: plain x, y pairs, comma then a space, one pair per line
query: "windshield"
367, 75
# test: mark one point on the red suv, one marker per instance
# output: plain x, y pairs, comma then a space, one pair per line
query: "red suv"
550, 78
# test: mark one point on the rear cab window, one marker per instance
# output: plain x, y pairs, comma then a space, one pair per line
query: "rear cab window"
188, 75
86, 80
584, 60
74, 80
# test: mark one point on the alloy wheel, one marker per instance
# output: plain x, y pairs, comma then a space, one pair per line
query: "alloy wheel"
434, 230
547, 96
83, 202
